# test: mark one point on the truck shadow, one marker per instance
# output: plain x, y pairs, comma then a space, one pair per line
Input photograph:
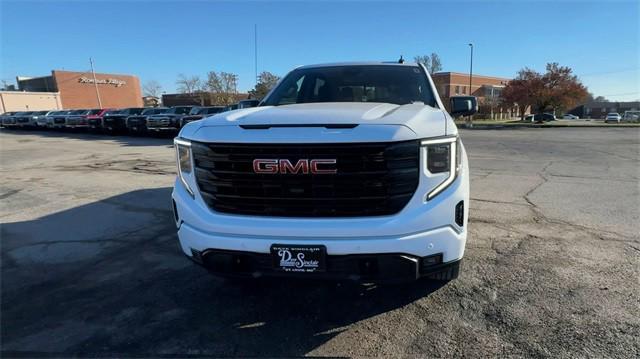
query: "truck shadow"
108, 279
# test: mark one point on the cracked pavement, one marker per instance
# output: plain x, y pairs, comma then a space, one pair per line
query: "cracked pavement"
91, 266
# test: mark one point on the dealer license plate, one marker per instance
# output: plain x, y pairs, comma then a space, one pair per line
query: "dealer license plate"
299, 258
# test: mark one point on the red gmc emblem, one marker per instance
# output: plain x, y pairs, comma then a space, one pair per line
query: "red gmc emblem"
303, 166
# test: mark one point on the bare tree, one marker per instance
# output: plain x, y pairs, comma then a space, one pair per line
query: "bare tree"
431, 62
189, 84
7, 86
266, 81
223, 87
436, 64
152, 88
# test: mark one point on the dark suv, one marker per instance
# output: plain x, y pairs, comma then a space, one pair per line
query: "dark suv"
137, 124
170, 120
116, 121
198, 113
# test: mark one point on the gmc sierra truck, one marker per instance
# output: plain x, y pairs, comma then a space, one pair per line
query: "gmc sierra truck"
116, 121
344, 171
81, 120
30, 120
168, 121
12, 120
6, 116
53, 118
137, 124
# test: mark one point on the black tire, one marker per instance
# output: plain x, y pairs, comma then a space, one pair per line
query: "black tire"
448, 273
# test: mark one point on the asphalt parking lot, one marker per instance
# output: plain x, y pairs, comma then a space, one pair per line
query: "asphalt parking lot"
91, 264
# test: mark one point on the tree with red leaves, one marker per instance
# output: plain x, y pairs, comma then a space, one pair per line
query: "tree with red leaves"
555, 90
562, 89
523, 90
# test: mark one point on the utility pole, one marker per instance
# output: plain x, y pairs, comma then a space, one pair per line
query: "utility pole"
470, 80
255, 49
95, 83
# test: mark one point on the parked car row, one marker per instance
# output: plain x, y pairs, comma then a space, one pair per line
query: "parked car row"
611, 117
134, 120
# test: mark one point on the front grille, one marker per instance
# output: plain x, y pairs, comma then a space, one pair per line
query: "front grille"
158, 122
372, 179
114, 118
136, 121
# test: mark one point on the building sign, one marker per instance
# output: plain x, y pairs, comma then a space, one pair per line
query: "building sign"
109, 81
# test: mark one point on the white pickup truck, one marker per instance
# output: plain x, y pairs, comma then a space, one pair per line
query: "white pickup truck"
344, 171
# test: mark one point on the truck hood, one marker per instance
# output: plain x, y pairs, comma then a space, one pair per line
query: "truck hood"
351, 122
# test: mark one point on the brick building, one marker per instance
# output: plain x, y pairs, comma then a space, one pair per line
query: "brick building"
79, 90
486, 88
600, 109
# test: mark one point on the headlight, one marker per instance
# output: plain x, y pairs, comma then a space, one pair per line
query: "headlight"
185, 166
443, 156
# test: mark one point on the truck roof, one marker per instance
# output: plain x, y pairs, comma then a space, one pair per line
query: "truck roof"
359, 63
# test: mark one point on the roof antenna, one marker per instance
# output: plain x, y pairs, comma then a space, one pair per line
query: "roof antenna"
401, 60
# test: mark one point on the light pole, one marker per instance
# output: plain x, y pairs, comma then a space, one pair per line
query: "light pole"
95, 83
255, 50
470, 80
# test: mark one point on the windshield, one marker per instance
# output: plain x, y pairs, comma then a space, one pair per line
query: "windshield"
134, 111
78, 112
155, 111
248, 103
211, 110
113, 112
353, 83
180, 110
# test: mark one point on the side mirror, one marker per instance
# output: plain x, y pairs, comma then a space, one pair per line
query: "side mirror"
463, 105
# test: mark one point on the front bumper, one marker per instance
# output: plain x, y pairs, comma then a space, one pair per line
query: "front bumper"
162, 129
422, 229
95, 123
114, 124
356, 267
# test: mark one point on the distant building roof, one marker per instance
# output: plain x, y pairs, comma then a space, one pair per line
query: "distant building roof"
448, 73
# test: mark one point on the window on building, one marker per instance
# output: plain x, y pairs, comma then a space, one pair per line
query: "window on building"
457, 90
464, 90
